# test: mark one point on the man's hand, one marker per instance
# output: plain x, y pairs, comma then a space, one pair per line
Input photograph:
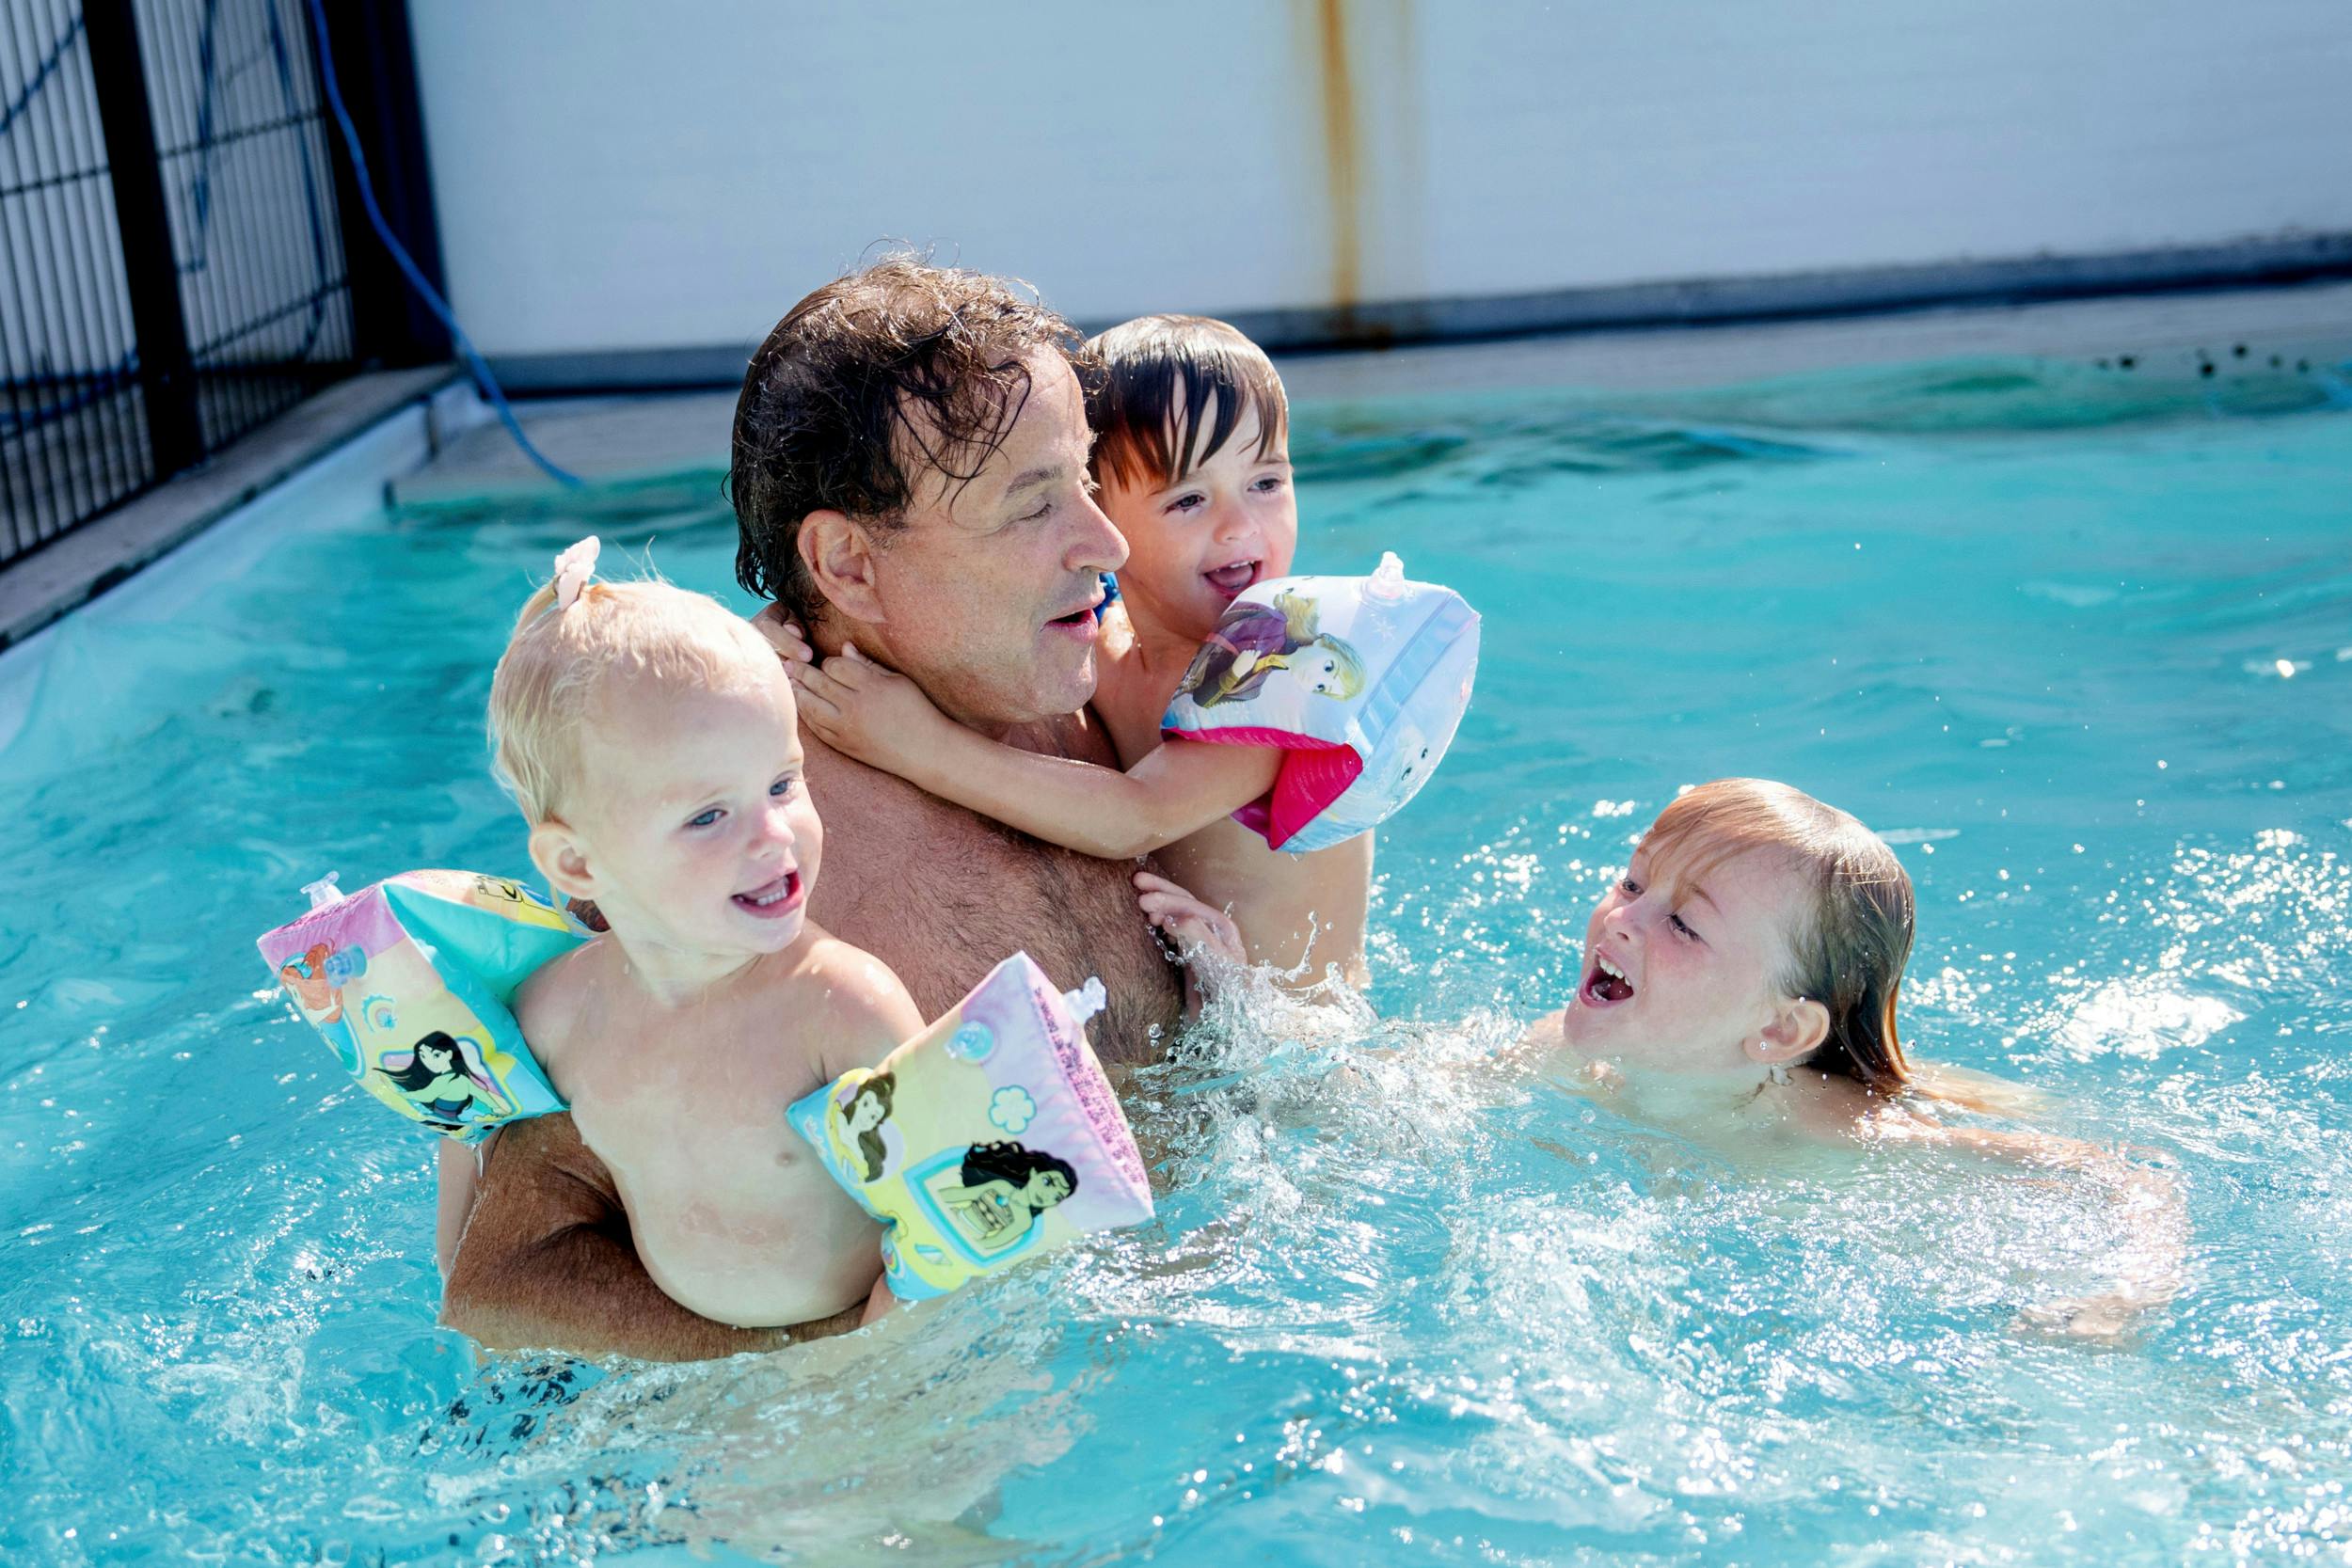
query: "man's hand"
864, 711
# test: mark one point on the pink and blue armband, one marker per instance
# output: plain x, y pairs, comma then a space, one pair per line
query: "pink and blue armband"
1359, 681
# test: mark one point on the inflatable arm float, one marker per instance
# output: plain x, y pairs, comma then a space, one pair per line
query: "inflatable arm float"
989, 1137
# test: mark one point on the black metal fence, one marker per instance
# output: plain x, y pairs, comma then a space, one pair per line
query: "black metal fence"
174, 211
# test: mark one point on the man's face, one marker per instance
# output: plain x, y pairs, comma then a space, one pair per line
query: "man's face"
988, 593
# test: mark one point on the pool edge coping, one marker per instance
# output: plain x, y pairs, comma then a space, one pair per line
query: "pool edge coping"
61, 578
1796, 295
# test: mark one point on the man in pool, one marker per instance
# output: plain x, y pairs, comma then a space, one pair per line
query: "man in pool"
909, 475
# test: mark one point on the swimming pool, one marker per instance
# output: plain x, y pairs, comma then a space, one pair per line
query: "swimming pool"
2081, 643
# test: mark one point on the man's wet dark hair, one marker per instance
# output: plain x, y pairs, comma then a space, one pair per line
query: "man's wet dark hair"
870, 380
1156, 377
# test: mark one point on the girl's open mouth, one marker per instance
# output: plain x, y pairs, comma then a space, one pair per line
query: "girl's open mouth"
1230, 581
772, 900
1604, 987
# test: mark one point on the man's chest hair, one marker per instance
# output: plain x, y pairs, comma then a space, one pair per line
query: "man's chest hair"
962, 884
941, 893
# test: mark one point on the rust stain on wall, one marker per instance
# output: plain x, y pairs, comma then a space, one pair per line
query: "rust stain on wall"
1365, 109
1343, 156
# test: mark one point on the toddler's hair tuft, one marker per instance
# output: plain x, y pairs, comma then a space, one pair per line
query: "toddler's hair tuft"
558, 661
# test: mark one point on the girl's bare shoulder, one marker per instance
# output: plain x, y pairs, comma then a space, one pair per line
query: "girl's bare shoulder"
854, 998
551, 1007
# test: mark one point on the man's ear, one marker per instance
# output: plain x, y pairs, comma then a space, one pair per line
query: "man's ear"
563, 860
1795, 1031
839, 555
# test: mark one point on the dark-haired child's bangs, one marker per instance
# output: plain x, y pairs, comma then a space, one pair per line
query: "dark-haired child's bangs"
1171, 396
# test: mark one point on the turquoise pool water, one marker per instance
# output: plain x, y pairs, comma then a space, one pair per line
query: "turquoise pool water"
2081, 645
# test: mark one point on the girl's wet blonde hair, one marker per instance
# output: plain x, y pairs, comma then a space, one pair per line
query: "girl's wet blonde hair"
561, 658
1850, 937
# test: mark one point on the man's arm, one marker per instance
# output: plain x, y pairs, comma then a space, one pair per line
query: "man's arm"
458, 1178
547, 1260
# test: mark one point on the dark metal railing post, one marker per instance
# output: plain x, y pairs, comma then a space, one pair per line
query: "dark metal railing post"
170, 292
167, 377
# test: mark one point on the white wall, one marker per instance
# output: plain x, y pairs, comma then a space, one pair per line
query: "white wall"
614, 175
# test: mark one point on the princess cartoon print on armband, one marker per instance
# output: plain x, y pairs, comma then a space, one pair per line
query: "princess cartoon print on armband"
444, 1078
1253, 640
1004, 1187
864, 1114
306, 979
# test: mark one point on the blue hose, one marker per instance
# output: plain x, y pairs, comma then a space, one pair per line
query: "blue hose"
483, 380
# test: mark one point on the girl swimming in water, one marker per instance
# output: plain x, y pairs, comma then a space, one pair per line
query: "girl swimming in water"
1741, 978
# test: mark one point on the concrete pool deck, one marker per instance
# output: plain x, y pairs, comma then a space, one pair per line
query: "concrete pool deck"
77, 567
2168, 336
2177, 337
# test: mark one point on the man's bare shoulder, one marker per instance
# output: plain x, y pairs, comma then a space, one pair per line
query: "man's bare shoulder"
877, 830
851, 798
